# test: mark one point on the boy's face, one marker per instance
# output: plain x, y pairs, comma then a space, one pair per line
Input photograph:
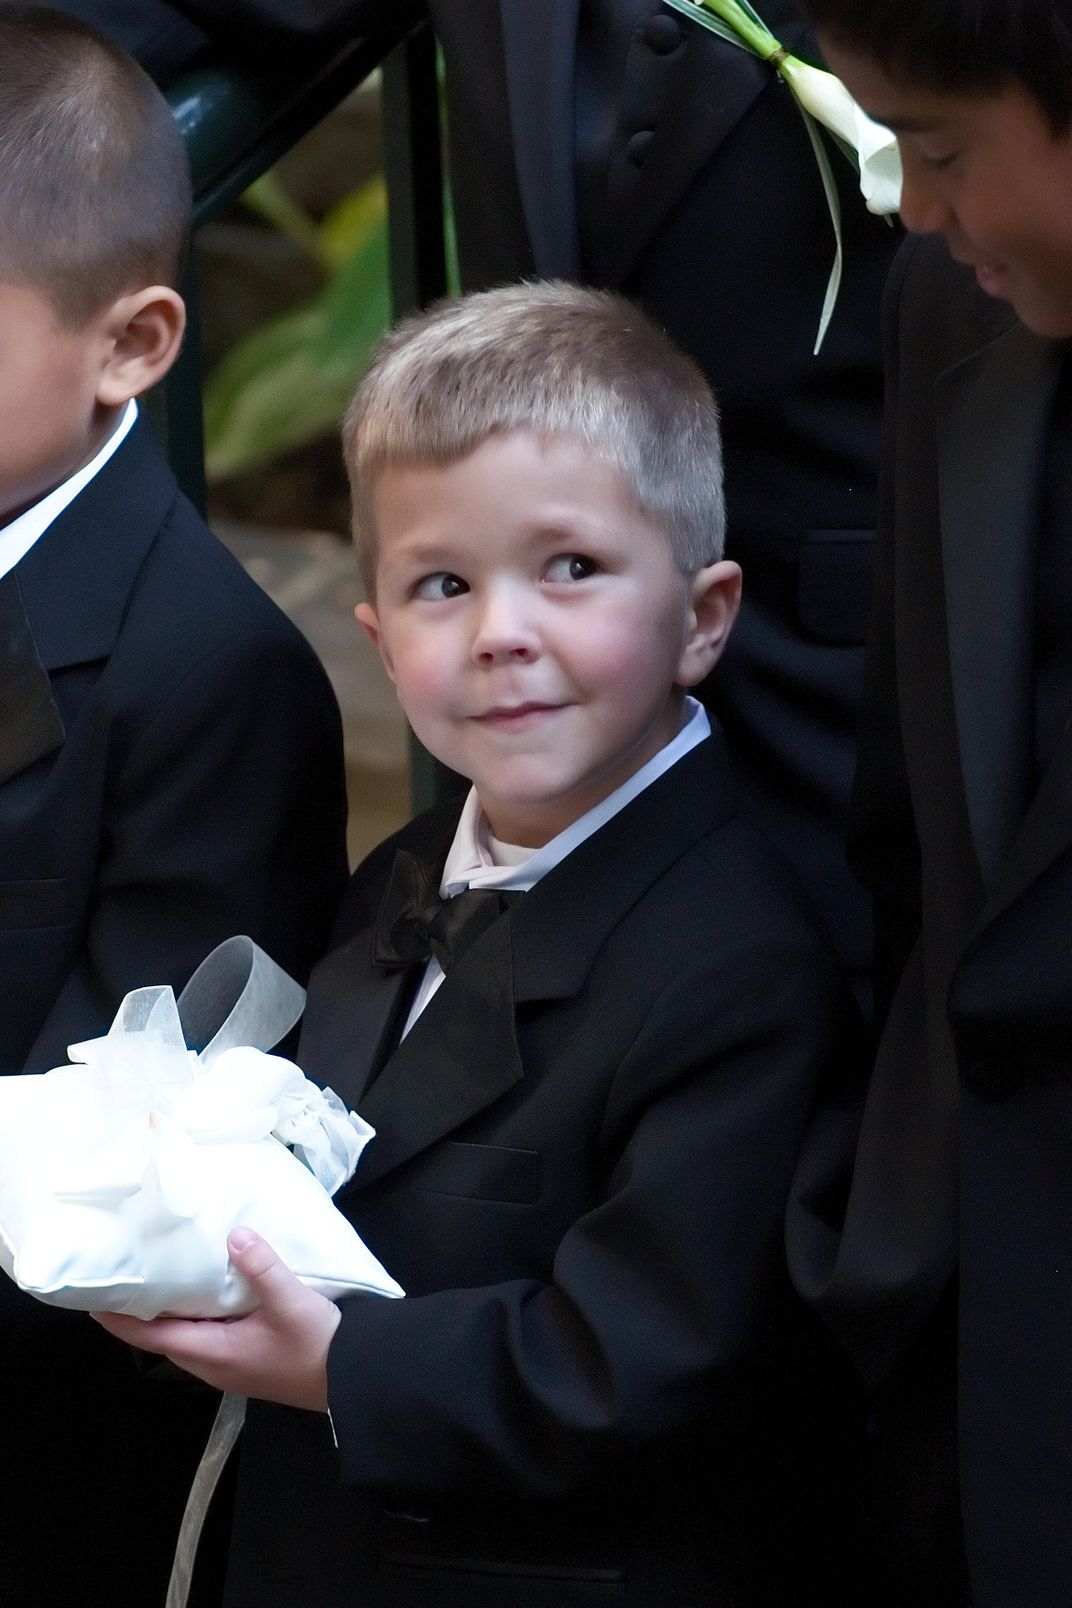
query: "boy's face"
535, 625
50, 419
988, 173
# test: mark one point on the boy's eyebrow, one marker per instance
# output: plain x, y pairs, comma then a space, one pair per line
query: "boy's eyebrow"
912, 125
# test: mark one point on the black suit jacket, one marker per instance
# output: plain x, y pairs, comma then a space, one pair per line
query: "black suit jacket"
706, 206
961, 1163
170, 774
582, 1152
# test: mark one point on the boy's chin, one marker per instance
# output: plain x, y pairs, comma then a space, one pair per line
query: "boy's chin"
1043, 315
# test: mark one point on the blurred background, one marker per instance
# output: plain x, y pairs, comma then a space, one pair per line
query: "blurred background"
294, 292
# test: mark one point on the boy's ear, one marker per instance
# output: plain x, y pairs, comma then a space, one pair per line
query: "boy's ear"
369, 621
142, 334
713, 604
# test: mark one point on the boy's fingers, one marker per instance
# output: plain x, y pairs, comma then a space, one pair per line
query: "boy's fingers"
254, 1258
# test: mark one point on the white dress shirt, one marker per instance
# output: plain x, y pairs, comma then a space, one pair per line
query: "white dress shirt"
17, 538
476, 859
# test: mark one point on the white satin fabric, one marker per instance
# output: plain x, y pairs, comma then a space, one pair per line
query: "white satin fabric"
121, 1175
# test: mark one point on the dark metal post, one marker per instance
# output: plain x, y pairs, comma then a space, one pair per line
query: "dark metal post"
413, 166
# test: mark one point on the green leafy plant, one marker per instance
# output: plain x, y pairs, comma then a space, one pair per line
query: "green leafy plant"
289, 380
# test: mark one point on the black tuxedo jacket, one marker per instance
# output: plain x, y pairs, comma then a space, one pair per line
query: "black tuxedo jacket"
962, 1160
170, 774
582, 1151
703, 201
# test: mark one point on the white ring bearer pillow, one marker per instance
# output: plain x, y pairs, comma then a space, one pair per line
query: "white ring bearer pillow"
121, 1176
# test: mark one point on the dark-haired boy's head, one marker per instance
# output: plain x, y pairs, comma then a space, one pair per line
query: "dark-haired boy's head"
979, 94
962, 47
94, 185
94, 215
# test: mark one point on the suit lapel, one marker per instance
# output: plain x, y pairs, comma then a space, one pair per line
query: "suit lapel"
351, 1016
992, 416
460, 1056
30, 724
463, 1053
539, 44
691, 99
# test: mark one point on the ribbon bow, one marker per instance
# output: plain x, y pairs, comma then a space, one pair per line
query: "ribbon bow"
414, 922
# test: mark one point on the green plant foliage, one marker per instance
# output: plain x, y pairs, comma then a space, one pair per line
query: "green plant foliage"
290, 379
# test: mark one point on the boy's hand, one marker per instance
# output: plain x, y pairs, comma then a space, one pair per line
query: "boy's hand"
277, 1353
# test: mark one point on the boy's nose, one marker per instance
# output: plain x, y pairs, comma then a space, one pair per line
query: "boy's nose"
504, 630
923, 208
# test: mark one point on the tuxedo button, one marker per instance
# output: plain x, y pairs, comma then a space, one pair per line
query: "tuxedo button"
994, 1077
661, 35
637, 147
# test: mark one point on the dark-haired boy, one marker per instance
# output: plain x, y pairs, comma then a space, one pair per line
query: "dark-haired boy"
958, 1230
586, 1011
169, 747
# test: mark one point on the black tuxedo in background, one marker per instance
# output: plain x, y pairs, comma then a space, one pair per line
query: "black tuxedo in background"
590, 1391
170, 774
613, 141
964, 831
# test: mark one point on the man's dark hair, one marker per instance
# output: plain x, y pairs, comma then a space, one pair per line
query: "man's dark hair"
94, 185
963, 46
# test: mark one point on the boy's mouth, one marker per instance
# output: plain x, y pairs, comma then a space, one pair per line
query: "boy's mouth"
510, 716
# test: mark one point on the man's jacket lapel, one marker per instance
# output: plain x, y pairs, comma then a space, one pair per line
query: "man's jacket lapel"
690, 99
540, 44
992, 416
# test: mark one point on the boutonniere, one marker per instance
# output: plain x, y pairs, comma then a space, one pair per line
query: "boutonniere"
823, 102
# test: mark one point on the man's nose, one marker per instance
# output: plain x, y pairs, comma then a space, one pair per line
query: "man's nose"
505, 627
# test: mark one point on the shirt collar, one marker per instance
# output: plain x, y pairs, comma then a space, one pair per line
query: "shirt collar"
469, 863
19, 536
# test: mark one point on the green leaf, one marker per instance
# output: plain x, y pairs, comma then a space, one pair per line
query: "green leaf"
289, 381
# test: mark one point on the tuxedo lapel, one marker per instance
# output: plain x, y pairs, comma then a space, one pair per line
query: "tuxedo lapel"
687, 102
351, 1017
463, 1052
30, 724
992, 415
76, 580
459, 1057
540, 44
1046, 833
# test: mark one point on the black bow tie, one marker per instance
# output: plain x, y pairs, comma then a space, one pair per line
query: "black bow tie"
414, 923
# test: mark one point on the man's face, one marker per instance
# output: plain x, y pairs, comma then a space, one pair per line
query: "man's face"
988, 173
50, 419
534, 623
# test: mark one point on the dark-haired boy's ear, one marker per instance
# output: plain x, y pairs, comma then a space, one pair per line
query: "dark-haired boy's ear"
142, 333
714, 601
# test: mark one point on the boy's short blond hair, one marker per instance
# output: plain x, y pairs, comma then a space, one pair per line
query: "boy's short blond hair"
557, 359
94, 184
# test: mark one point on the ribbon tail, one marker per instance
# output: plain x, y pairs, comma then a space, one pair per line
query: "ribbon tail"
222, 1436
238, 996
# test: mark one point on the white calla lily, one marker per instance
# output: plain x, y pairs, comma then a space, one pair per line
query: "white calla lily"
823, 100
829, 102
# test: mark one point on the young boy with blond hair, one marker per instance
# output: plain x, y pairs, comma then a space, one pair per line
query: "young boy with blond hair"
170, 766
584, 1009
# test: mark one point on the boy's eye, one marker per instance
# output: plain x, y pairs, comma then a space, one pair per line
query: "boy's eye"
935, 161
440, 585
570, 567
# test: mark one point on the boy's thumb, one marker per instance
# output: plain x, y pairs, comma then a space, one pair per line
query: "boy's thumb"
252, 1256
